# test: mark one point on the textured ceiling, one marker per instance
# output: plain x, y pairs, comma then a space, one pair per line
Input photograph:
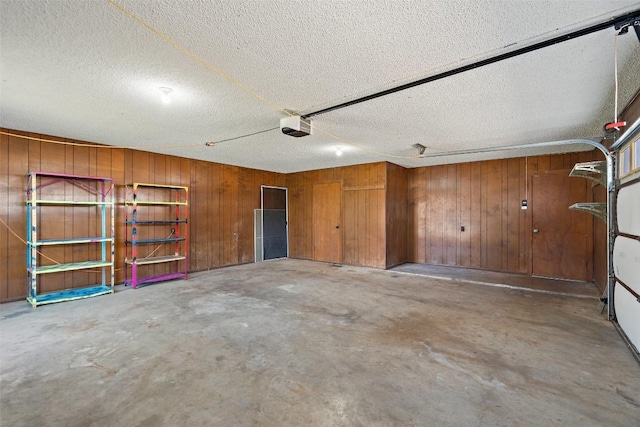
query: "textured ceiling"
91, 71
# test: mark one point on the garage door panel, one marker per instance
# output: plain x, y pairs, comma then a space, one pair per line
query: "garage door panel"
629, 210
626, 261
628, 314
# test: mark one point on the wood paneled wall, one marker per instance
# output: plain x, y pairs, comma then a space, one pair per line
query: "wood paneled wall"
390, 214
363, 206
222, 200
484, 197
396, 221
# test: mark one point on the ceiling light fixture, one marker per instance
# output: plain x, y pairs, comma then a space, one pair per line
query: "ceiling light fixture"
338, 151
166, 91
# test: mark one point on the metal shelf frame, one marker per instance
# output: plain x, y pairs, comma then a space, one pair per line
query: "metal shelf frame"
599, 210
102, 190
175, 205
595, 171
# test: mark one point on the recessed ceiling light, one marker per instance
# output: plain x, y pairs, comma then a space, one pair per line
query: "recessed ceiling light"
166, 91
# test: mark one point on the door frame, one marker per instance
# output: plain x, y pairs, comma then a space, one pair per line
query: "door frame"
286, 201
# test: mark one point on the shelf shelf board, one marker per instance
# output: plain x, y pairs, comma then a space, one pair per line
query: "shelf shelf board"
68, 202
56, 268
151, 203
599, 210
69, 295
595, 171
155, 260
164, 221
162, 240
69, 176
160, 278
71, 241
167, 186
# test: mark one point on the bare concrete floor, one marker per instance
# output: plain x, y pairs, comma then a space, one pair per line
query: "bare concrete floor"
297, 343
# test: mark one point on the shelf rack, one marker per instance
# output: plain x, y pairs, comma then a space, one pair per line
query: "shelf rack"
595, 171
599, 210
173, 207
101, 191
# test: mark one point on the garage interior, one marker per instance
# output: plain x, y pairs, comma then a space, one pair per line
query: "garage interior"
409, 259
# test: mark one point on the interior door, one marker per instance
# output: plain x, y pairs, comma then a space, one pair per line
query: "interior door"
560, 237
274, 226
327, 212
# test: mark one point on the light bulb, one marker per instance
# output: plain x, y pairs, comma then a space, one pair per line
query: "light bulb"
166, 99
338, 151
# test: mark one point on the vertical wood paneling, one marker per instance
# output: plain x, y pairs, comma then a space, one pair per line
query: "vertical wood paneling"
511, 198
422, 218
350, 232
464, 214
16, 261
4, 215
487, 197
222, 199
118, 175
484, 197
199, 242
363, 213
494, 216
216, 224
451, 233
246, 183
412, 211
504, 207
379, 245
475, 223
397, 215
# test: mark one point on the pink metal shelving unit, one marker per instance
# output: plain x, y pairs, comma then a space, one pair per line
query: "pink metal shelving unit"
157, 219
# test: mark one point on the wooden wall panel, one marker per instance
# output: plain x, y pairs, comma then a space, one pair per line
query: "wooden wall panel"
396, 215
363, 216
201, 236
4, 214
247, 179
485, 198
222, 200
16, 220
118, 174
464, 214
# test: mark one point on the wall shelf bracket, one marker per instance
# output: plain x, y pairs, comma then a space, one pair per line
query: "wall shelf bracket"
599, 210
595, 171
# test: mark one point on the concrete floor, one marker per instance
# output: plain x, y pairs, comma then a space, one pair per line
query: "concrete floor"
297, 343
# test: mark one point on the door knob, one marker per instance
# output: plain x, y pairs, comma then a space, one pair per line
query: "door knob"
535, 230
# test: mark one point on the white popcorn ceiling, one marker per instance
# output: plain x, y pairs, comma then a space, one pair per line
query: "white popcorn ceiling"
85, 70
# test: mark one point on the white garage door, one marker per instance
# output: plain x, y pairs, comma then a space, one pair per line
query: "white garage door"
626, 253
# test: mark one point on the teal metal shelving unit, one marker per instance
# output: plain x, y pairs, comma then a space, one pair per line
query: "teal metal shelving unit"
101, 191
